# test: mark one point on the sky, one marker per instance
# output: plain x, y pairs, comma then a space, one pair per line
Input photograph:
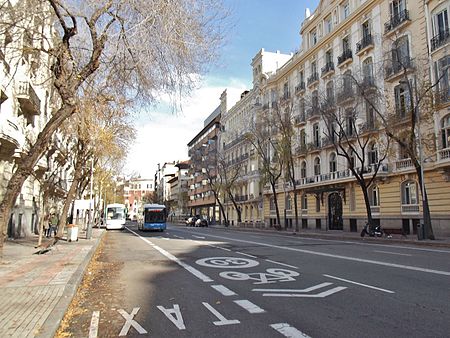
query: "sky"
163, 136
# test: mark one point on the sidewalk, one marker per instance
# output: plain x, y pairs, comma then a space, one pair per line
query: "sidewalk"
443, 242
36, 290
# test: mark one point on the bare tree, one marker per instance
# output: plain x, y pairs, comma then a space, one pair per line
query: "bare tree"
263, 135
136, 48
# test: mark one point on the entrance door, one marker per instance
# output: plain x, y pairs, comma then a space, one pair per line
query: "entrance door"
335, 211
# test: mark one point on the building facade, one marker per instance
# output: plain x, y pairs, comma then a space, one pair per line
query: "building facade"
136, 191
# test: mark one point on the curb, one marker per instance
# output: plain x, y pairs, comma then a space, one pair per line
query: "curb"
341, 237
53, 321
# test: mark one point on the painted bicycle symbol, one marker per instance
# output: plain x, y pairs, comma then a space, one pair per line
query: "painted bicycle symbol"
272, 275
227, 262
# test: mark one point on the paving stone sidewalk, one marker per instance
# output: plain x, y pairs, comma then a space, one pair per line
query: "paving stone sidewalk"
37, 289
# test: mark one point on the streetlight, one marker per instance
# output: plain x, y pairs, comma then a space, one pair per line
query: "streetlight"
89, 227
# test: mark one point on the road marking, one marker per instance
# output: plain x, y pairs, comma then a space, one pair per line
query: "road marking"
392, 253
219, 247
318, 295
222, 320
360, 284
249, 306
272, 275
227, 262
312, 288
191, 269
178, 236
323, 254
201, 237
242, 253
130, 322
223, 290
174, 315
289, 331
93, 329
289, 266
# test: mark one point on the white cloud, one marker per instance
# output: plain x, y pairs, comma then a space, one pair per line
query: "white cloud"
165, 137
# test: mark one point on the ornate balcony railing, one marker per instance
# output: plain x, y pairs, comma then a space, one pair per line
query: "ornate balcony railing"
396, 67
329, 67
313, 78
28, 98
440, 39
346, 55
365, 42
300, 87
396, 20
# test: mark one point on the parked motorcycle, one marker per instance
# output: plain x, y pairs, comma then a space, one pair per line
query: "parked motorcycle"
375, 232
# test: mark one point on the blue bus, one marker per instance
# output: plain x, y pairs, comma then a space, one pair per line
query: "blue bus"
153, 217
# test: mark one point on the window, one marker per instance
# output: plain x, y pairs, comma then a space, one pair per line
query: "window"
400, 53
315, 100
402, 100
345, 44
409, 193
302, 108
272, 203
329, 56
330, 92
313, 35
441, 71
365, 28
368, 71
374, 196
373, 154
313, 68
440, 23
345, 10
328, 23
286, 90
350, 123
317, 166
352, 162
304, 202
288, 202
316, 134
347, 82
333, 163
302, 138
397, 7
303, 170
370, 116
445, 132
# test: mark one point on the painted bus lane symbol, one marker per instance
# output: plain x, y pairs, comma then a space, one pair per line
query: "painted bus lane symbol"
272, 275
227, 262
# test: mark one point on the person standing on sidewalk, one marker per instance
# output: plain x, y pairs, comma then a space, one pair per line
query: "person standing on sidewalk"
53, 224
47, 225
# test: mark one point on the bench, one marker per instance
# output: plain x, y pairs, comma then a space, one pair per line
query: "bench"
46, 247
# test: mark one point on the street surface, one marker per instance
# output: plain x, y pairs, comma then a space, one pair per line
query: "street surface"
211, 282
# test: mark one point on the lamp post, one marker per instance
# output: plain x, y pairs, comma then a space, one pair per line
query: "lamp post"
89, 227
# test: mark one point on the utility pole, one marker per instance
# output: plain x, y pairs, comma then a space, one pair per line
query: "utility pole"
89, 227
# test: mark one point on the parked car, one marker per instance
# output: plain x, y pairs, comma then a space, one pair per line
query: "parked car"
201, 222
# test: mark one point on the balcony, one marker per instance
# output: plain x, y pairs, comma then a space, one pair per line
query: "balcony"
396, 22
367, 127
10, 139
404, 164
398, 68
313, 79
443, 96
444, 155
345, 58
313, 112
315, 146
345, 94
328, 69
365, 44
299, 119
410, 209
440, 40
28, 99
301, 150
300, 88
328, 104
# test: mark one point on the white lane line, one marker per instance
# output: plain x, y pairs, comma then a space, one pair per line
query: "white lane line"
201, 237
249, 306
288, 331
322, 294
360, 284
93, 329
392, 253
223, 290
218, 247
312, 288
191, 269
289, 266
178, 236
244, 254
354, 259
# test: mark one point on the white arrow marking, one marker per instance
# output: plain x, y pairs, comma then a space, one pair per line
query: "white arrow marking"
223, 290
360, 284
319, 295
249, 306
130, 322
174, 315
288, 331
222, 319
312, 288
93, 329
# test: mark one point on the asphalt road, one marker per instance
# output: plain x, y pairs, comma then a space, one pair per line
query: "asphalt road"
209, 282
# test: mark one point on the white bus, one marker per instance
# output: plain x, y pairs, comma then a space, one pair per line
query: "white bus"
115, 216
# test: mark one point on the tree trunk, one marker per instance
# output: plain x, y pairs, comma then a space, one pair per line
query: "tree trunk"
428, 229
42, 219
26, 165
368, 208
238, 210
275, 200
297, 228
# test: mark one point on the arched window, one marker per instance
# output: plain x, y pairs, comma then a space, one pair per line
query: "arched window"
409, 193
317, 166
330, 92
303, 170
445, 132
373, 153
333, 163
374, 196
368, 72
352, 161
347, 83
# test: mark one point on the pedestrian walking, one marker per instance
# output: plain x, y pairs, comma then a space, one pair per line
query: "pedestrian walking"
46, 225
53, 225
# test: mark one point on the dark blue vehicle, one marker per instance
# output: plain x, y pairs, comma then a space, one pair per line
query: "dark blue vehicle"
154, 217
